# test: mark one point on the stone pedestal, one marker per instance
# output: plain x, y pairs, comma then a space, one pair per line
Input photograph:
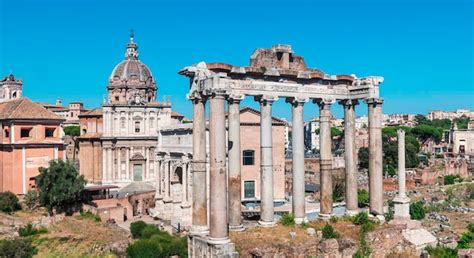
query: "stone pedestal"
202, 246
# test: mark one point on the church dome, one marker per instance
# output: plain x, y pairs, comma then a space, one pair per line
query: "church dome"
131, 69
131, 81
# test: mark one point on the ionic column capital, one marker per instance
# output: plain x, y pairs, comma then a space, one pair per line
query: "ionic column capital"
235, 98
265, 99
324, 103
196, 98
349, 102
297, 101
374, 101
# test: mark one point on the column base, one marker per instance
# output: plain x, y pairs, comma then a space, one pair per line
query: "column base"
199, 230
324, 216
352, 212
266, 224
199, 246
237, 228
299, 221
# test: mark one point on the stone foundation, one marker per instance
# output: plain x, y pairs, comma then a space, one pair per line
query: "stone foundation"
204, 247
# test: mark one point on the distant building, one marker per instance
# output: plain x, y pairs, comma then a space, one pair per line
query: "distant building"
399, 119
70, 113
10, 88
31, 136
463, 139
441, 114
90, 145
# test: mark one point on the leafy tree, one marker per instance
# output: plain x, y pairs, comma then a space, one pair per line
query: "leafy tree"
32, 199
334, 132
417, 210
72, 130
451, 179
461, 122
362, 198
136, 228
9, 202
422, 120
444, 124
60, 187
17, 248
363, 156
427, 132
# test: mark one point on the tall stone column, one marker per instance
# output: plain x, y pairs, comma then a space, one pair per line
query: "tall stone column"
235, 192
298, 160
218, 230
350, 155
325, 157
375, 156
401, 201
199, 184
266, 162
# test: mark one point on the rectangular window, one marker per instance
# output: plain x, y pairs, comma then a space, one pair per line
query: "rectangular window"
137, 127
249, 189
25, 132
7, 133
49, 132
248, 157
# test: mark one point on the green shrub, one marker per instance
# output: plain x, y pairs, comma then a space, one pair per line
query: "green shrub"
451, 179
362, 198
72, 130
288, 219
136, 228
328, 232
368, 226
159, 245
89, 215
32, 199
333, 219
470, 227
417, 210
17, 248
9, 202
442, 252
149, 230
29, 230
361, 218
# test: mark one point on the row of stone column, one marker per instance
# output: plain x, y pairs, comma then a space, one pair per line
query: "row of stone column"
222, 218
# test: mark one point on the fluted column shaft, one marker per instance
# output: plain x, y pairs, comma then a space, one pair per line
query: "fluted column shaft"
297, 144
326, 157
350, 155
218, 229
235, 192
199, 223
375, 156
266, 162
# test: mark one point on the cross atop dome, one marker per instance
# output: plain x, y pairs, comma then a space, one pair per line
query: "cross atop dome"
132, 47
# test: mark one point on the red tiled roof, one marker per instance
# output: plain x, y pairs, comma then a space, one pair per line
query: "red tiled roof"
24, 108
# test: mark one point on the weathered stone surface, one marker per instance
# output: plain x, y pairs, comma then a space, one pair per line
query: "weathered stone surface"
420, 238
329, 246
311, 231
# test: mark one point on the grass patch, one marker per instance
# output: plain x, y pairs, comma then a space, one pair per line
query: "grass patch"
29, 230
287, 219
88, 215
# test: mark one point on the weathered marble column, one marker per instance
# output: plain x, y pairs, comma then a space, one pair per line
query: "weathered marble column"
199, 184
235, 192
325, 153
350, 155
297, 144
218, 229
375, 156
401, 201
266, 162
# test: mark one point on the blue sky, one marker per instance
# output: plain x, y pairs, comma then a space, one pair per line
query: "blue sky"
67, 49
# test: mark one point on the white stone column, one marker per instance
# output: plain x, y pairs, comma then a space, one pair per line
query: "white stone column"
218, 230
185, 184
266, 162
350, 155
297, 144
167, 180
401, 201
199, 181
375, 156
159, 172
119, 164
104, 164
110, 164
325, 144
147, 164
235, 188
